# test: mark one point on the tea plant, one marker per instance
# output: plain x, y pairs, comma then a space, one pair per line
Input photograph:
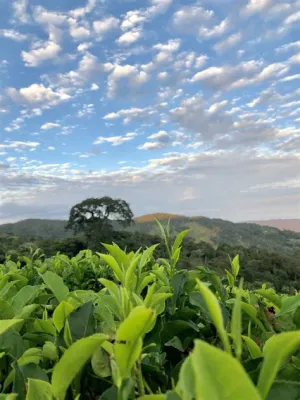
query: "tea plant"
124, 325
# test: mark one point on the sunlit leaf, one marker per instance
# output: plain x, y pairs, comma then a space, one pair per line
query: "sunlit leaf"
72, 361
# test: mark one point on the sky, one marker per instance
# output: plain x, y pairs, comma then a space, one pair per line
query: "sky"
180, 106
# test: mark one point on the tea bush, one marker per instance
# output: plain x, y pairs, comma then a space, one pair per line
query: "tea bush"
124, 325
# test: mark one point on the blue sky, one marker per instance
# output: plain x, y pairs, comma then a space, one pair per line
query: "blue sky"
190, 107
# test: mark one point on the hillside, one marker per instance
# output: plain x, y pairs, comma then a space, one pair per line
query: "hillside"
37, 228
282, 224
218, 231
212, 231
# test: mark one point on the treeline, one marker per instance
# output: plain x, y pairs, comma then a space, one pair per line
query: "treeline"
258, 265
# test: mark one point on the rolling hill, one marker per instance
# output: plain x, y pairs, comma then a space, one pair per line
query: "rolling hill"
212, 231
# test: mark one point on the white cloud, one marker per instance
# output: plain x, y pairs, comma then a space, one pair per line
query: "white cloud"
87, 109
216, 107
162, 75
161, 140
18, 145
126, 78
94, 87
20, 11
229, 42
106, 25
130, 37
78, 31
295, 17
132, 18
45, 17
243, 74
288, 46
35, 57
37, 95
82, 47
12, 34
189, 18
51, 148
82, 11
116, 140
131, 114
255, 6
295, 59
49, 125
172, 45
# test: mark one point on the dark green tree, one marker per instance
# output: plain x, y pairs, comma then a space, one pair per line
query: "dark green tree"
98, 217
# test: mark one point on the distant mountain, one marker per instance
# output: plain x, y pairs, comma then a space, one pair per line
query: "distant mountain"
282, 224
218, 231
37, 228
213, 231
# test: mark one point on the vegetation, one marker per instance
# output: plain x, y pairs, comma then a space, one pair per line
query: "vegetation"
95, 217
125, 325
216, 232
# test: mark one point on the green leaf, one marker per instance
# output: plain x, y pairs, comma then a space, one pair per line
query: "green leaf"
152, 397
179, 240
110, 260
252, 313
11, 396
230, 278
56, 284
6, 310
253, 348
236, 324
10, 323
30, 356
61, 313
211, 373
215, 313
82, 322
22, 374
283, 390
44, 326
270, 295
129, 338
12, 343
50, 351
26, 311
26, 295
296, 318
39, 390
176, 343
235, 266
72, 361
275, 352
100, 363
289, 304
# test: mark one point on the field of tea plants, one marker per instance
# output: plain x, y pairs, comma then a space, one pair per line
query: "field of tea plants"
121, 325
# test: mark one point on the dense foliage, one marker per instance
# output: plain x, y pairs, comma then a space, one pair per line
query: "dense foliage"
125, 325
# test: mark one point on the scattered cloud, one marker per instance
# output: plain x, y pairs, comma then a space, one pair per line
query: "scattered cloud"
37, 95
115, 140
36, 56
12, 34
104, 26
49, 125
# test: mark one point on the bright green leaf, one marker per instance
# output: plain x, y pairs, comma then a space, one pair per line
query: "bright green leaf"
72, 361
56, 284
129, 338
275, 351
215, 313
61, 313
39, 390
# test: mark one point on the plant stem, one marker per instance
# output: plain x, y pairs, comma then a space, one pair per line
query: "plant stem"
140, 381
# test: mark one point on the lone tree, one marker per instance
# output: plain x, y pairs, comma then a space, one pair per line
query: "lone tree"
94, 217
